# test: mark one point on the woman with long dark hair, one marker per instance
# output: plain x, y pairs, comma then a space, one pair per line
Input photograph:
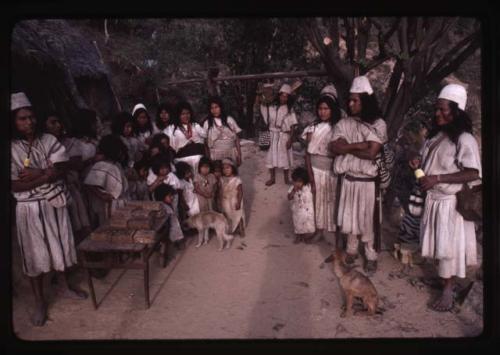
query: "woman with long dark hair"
281, 119
187, 138
222, 132
450, 159
42, 222
123, 126
163, 118
319, 162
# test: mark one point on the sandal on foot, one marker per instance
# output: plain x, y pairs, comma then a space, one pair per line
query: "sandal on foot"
371, 266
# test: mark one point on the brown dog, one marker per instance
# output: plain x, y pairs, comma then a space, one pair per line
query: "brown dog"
354, 284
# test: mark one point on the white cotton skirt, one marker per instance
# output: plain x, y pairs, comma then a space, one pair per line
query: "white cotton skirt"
356, 208
446, 236
326, 186
277, 155
45, 237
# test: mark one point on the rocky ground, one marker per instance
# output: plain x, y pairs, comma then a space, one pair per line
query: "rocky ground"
263, 287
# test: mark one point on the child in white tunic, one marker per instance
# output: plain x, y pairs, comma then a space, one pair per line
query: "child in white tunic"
190, 203
450, 159
166, 194
281, 120
302, 205
231, 197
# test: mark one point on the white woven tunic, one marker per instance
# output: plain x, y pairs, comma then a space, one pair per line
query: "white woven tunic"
44, 232
357, 198
324, 179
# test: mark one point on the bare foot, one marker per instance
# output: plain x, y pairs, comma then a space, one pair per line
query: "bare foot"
39, 318
270, 182
444, 303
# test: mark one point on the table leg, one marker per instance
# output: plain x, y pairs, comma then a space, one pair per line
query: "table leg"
146, 282
91, 288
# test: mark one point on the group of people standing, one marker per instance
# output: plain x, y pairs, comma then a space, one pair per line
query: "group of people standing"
338, 187
66, 184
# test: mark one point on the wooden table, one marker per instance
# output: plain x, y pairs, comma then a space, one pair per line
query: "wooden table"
112, 255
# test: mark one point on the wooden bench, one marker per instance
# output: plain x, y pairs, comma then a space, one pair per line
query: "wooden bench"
112, 255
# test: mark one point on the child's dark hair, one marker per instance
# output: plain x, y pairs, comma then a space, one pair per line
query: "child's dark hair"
159, 161
181, 169
162, 191
141, 164
204, 161
300, 174
113, 149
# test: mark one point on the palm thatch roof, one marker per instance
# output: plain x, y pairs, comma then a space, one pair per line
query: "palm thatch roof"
56, 42
59, 68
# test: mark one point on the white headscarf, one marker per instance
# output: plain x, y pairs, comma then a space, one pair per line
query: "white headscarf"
329, 90
19, 100
455, 93
137, 107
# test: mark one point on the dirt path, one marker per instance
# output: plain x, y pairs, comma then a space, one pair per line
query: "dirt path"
263, 287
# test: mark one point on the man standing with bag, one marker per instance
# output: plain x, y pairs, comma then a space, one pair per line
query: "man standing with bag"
450, 159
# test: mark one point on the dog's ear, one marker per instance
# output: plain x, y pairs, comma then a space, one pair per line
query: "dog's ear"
329, 259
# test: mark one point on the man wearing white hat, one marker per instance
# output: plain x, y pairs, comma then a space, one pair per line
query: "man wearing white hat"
357, 140
281, 119
42, 222
450, 158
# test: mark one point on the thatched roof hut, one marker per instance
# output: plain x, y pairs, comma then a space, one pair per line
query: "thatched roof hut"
59, 69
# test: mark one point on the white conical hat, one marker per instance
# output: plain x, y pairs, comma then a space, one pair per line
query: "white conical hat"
455, 93
137, 107
329, 90
19, 100
360, 85
287, 89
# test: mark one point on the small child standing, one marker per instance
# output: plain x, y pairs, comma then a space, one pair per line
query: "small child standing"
302, 205
167, 194
231, 197
138, 186
189, 202
205, 185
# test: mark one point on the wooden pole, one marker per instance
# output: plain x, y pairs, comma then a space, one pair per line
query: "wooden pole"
253, 77
109, 81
